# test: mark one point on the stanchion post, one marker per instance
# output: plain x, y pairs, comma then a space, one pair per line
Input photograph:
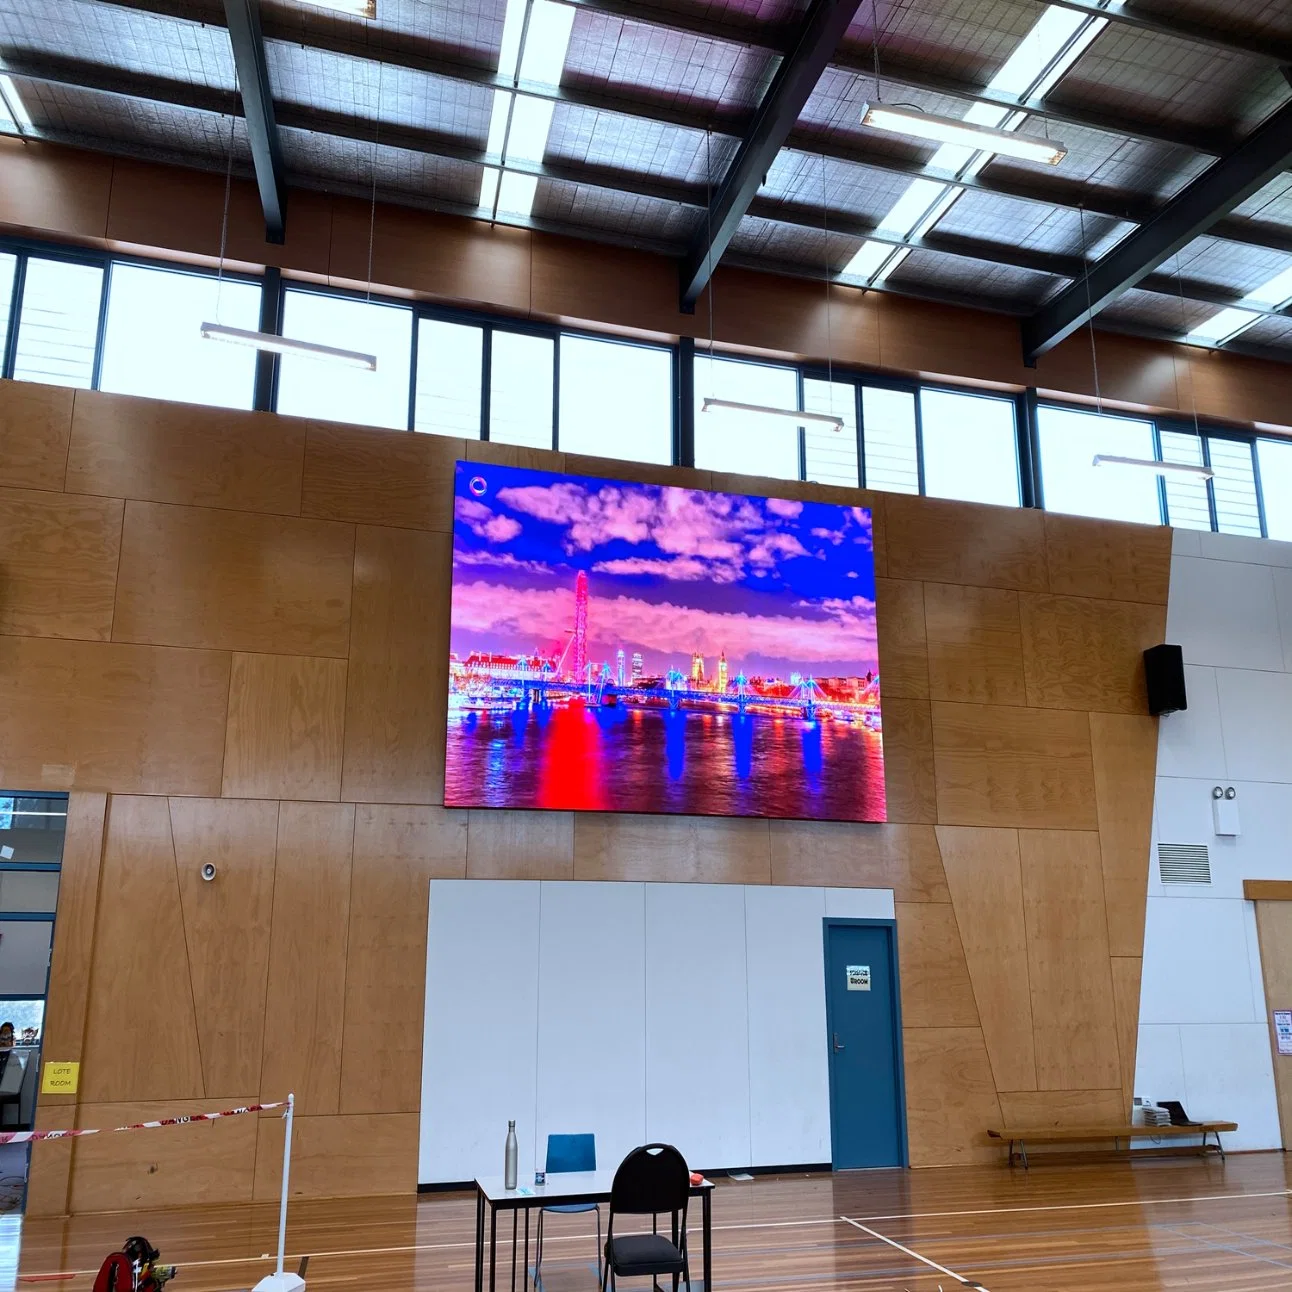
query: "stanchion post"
287, 1171
280, 1281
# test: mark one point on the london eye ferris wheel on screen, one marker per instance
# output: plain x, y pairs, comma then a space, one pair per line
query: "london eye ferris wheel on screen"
643, 648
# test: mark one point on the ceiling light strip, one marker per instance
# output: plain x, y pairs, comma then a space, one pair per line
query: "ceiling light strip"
766, 410
965, 134
287, 345
357, 8
1157, 468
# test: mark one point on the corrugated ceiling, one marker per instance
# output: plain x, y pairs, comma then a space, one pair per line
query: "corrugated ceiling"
653, 100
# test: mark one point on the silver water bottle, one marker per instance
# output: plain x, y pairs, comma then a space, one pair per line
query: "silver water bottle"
510, 1172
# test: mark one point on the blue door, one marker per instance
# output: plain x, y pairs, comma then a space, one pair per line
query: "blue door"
864, 1028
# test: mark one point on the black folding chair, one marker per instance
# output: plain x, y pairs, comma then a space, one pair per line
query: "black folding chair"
651, 1181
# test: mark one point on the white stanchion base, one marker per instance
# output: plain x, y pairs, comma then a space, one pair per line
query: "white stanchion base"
283, 1282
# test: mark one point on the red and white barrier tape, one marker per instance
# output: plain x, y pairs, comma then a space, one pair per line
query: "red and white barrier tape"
26, 1137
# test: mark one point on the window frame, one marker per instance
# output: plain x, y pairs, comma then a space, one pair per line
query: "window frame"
946, 388
684, 353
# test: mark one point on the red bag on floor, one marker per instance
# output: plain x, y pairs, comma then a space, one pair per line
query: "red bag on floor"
116, 1274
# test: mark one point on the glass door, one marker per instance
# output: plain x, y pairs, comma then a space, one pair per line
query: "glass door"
32, 828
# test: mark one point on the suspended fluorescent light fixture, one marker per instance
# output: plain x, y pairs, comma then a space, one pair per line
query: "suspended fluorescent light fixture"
1157, 468
286, 345
766, 410
358, 8
952, 130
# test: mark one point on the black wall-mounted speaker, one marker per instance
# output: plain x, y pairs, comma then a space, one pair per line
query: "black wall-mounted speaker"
1164, 673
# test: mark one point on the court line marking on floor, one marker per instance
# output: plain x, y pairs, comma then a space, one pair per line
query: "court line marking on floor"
766, 1224
924, 1260
1078, 1206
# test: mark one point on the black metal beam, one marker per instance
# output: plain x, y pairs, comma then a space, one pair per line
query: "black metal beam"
181, 94
243, 19
1262, 46
1215, 193
795, 79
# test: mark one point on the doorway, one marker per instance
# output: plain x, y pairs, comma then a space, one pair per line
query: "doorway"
863, 1039
32, 828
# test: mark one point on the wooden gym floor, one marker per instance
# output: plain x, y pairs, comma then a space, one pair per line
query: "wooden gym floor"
1114, 1227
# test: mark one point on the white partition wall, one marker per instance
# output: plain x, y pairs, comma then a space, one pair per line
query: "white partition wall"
1204, 1029
591, 1042
691, 1013
481, 1033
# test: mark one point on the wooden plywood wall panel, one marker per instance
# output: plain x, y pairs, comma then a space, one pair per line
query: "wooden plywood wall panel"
673, 849
68, 994
514, 455
1080, 653
580, 464
125, 447
985, 878
49, 1171
202, 1162
35, 426
140, 970
1127, 974
338, 690
936, 991
1005, 766
354, 1155
58, 564
95, 715
57, 190
975, 644
909, 774
903, 641
305, 997
960, 542
226, 930
397, 851
834, 854
435, 255
78, 899
1096, 558
193, 576
286, 714
1026, 1108
370, 476
1274, 929
1124, 749
398, 672
950, 1097
520, 845
1073, 1018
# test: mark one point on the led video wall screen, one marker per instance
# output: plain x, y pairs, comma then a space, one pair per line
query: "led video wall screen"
642, 648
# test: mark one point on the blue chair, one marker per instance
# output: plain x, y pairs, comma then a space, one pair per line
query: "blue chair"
567, 1153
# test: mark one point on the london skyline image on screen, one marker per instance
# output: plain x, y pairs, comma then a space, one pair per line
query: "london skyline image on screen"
645, 648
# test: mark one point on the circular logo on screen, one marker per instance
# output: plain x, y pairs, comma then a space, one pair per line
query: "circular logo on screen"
477, 486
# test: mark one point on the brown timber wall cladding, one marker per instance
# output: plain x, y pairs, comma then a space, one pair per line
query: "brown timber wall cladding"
226, 634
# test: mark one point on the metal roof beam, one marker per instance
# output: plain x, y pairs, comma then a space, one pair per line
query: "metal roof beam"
795, 79
402, 52
194, 98
1215, 193
1266, 48
243, 20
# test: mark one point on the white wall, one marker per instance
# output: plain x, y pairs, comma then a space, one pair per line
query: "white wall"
1204, 1037
689, 1013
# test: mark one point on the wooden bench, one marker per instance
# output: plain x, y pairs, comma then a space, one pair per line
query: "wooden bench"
1018, 1138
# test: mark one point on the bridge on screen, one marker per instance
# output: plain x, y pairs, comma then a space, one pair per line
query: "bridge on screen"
538, 687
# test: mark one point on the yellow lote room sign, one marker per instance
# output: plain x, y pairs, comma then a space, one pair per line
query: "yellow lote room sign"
60, 1078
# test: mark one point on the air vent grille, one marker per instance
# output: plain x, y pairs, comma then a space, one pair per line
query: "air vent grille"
1184, 863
